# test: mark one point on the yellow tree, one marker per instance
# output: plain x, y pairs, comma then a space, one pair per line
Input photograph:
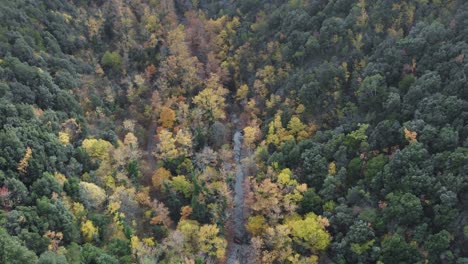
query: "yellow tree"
251, 134
242, 92
88, 230
293, 196
211, 100
279, 237
184, 142
410, 135
268, 197
153, 25
189, 229
91, 194
166, 148
167, 117
209, 241
277, 134
130, 146
310, 232
179, 72
78, 210
256, 225
97, 148
170, 147
297, 128
23, 164
160, 176
64, 138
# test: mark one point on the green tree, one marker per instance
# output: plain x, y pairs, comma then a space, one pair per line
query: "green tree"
182, 185
311, 202
374, 166
372, 93
12, 251
50, 257
437, 244
396, 250
405, 209
112, 61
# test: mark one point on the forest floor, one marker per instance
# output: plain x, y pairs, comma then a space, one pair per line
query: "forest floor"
148, 160
151, 145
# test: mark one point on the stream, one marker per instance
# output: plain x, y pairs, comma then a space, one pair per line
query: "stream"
238, 214
239, 249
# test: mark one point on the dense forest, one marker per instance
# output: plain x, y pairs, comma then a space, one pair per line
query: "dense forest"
248, 131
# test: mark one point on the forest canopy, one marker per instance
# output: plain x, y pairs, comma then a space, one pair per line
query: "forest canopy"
177, 131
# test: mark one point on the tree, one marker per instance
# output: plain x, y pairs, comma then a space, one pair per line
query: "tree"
112, 60
91, 195
12, 251
357, 139
180, 184
218, 135
73, 253
89, 231
267, 197
211, 100
160, 176
410, 135
23, 164
49, 257
277, 134
153, 25
297, 128
372, 93
119, 247
396, 250
374, 166
45, 186
437, 244
167, 117
97, 148
170, 147
166, 149
5, 197
242, 92
64, 138
185, 212
94, 255
210, 242
386, 135
189, 229
310, 232
311, 202
256, 225
315, 165
162, 214
251, 134
17, 192
179, 72
404, 209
